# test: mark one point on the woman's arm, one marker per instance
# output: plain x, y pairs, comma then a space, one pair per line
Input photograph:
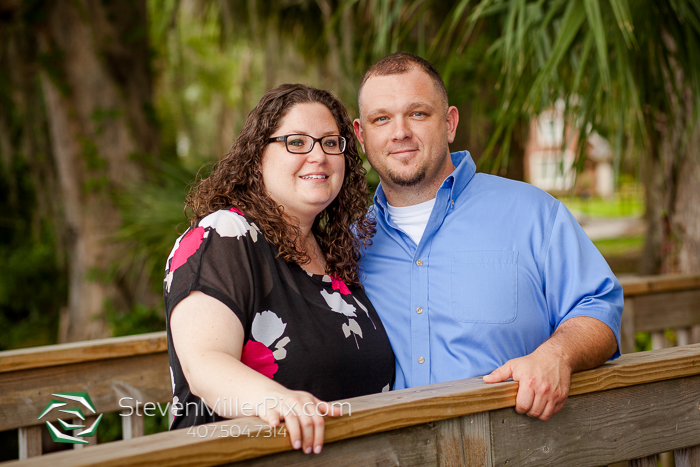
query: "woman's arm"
208, 338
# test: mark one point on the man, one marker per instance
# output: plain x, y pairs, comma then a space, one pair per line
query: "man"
474, 274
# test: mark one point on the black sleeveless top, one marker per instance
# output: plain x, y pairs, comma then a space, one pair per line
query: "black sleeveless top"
308, 332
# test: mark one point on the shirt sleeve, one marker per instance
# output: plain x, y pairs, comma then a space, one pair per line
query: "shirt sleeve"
215, 258
577, 279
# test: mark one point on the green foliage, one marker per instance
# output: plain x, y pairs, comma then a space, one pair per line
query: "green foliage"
138, 320
110, 428
609, 62
33, 283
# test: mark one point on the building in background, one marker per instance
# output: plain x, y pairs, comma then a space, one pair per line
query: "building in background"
550, 154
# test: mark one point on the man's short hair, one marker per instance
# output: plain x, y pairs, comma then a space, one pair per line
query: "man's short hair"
402, 62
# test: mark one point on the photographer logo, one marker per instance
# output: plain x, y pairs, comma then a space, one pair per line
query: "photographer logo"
76, 416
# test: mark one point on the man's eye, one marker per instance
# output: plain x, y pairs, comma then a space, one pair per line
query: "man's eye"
381, 119
418, 114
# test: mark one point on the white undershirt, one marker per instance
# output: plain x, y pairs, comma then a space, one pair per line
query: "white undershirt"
412, 219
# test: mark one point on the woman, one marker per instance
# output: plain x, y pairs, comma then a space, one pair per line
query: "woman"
266, 315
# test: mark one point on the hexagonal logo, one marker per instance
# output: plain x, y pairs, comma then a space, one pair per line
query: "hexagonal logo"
76, 413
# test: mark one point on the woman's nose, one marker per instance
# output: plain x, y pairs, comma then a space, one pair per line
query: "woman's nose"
317, 154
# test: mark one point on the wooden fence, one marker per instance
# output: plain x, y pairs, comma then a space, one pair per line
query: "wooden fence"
632, 408
107, 369
658, 303
136, 367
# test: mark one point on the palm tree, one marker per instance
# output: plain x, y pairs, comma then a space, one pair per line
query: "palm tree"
629, 69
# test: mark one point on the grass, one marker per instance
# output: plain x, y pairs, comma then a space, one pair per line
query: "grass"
603, 208
628, 202
620, 246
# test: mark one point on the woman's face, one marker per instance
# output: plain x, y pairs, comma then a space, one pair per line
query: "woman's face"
304, 184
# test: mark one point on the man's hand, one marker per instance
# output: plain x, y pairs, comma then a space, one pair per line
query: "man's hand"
579, 343
544, 383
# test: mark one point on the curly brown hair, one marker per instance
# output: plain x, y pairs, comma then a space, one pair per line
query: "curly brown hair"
341, 230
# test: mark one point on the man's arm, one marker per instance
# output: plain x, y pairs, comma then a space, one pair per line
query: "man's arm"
579, 343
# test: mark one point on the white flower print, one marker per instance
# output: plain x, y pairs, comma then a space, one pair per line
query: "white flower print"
267, 327
336, 303
352, 326
281, 352
230, 224
364, 308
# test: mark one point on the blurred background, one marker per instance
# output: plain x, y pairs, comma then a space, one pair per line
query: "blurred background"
110, 109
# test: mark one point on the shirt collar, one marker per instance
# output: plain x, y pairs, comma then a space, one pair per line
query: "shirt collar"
458, 179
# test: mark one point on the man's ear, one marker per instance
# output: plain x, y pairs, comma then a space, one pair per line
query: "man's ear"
452, 120
358, 132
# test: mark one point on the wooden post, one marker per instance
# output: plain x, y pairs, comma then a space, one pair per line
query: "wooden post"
476, 429
132, 426
628, 327
683, 336
450, 450
689, 457
644, 462
659, 341
29, 442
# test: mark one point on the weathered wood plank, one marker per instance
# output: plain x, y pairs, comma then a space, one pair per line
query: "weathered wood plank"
26, 392
477, 439
30, 442
450, 445
399, 409
656, 312
602, 428
688, 457
412, 446
75, 352
664, 283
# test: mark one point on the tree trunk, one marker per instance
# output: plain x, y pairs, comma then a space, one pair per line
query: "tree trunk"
683, 236
97, 87
672, 178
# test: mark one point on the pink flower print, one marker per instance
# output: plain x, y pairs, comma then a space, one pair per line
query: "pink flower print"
338, 284
188, 246
258, 357
236, 210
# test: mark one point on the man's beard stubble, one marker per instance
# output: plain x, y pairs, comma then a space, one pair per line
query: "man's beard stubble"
412, 180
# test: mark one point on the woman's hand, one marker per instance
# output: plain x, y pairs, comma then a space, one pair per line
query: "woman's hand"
303, 415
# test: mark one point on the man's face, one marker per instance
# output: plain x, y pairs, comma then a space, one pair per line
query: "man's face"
405, 128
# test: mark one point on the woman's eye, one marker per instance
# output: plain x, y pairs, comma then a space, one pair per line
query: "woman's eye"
296, 142
329, 143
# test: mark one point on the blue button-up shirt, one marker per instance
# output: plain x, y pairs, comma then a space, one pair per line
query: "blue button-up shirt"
500, 265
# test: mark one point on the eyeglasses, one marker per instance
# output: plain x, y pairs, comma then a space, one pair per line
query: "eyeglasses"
304, 144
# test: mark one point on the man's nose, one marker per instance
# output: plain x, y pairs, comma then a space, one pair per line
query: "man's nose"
402, 130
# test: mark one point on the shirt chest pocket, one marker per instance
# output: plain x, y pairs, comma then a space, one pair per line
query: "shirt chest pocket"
485, 286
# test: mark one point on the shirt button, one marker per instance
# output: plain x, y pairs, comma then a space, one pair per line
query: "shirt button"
419, 262
419, 310
421, 359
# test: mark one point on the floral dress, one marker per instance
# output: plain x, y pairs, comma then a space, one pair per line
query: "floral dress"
307, 332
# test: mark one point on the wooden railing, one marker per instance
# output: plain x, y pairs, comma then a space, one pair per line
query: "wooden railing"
632, 408
107, 369
658, 303
136, 367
